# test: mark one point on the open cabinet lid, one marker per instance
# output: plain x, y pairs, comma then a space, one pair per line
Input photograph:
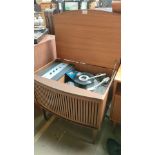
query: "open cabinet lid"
91, 37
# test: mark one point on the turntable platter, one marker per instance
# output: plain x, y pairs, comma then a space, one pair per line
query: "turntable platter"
82, 79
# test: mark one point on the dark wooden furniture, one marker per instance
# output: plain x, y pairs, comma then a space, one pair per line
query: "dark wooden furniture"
91, 41
48, 14
115, 114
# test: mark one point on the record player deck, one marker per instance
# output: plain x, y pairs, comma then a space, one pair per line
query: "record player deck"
73, 77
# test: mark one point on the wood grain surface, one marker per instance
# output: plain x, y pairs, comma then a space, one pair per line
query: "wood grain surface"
44, 51
92, 38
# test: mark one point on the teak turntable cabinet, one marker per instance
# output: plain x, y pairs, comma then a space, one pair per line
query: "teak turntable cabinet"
91, 41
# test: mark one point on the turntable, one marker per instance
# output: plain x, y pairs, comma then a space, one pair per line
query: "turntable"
88, 81
75, 86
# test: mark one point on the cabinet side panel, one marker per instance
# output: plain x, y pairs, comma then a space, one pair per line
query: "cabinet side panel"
44, 52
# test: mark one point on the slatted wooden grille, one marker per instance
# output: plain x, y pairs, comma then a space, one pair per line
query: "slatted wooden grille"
72, 107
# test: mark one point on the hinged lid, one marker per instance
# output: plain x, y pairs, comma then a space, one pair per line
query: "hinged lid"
92, 37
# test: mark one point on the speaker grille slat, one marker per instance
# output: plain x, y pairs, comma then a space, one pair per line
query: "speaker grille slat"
71, 107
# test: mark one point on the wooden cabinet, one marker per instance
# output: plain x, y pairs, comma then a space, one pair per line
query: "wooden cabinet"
115, 114
76, 45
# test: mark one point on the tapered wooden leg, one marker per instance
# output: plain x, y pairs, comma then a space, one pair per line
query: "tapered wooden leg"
44, 113
95, 131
